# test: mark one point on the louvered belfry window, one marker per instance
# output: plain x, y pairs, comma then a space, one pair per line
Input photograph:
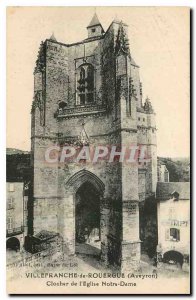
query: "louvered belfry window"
85, 84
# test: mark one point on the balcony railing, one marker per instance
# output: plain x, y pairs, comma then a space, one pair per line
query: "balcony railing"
80, 109
14, 231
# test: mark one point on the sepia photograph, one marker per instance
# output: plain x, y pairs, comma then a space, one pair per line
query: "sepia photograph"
98, 150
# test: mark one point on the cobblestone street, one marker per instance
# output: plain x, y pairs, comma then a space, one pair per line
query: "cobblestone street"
87, 260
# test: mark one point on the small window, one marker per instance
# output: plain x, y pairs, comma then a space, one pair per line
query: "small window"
143, 119
173, 234
93, 30
11, 187
138, 119
153, 130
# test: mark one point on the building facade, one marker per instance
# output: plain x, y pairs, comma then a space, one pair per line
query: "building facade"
173, 210
90, 92
16, 207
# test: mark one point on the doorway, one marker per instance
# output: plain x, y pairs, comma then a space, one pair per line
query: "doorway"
13, 244
173, 257
87, 220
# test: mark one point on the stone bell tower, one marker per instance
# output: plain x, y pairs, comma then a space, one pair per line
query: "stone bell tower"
93, 84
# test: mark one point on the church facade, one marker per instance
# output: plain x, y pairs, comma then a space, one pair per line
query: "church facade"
92, 88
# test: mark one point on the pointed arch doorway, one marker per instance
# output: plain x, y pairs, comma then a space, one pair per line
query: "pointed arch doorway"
87, 219
85, 193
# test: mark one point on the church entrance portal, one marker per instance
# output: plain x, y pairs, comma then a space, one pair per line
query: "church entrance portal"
87, 220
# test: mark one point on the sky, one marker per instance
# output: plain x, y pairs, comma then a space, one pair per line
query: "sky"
159, 43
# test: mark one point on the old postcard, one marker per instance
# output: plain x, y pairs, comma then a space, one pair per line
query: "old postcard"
98, 142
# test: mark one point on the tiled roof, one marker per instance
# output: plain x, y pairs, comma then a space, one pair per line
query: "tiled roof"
165, 189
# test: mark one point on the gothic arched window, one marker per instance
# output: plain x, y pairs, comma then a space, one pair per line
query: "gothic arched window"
85, 84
